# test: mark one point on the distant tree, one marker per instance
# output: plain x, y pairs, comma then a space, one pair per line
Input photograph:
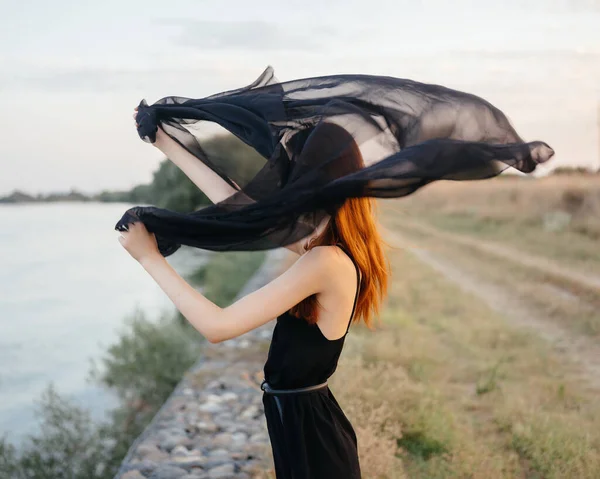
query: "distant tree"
572, 170
9, 462
238, 160
141, 194
172, 189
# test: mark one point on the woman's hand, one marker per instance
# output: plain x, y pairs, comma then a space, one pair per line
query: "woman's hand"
138, 242
159, 132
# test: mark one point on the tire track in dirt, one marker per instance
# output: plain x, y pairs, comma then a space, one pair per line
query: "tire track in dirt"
583, 352
549, 268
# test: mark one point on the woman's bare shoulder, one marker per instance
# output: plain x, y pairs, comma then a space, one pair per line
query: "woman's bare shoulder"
332, 259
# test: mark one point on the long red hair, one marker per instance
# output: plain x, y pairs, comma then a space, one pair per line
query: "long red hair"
353, 224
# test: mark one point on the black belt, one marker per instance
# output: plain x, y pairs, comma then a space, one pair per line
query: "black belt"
264, 385
269, 390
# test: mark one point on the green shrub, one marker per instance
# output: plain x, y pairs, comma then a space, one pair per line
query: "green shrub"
68, 445
148, 360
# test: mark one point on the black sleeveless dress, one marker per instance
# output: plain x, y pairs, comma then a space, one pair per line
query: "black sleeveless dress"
310, 435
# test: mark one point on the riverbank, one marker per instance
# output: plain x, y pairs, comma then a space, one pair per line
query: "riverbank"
212, 425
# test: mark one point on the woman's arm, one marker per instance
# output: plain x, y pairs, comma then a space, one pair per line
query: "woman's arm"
209, 182
308, 275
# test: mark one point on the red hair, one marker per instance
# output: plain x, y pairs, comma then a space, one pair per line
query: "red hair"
352, 224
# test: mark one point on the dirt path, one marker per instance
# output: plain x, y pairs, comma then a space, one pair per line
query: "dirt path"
583, 352
549, 268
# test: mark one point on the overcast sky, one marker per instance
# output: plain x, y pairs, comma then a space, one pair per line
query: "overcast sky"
71, 72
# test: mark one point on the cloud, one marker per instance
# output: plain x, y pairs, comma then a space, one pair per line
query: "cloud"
98, 79
527, 54
250, 35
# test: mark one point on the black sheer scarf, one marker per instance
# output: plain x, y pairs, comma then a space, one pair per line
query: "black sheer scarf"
323, 140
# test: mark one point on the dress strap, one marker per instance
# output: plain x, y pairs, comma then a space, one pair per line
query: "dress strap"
358, 278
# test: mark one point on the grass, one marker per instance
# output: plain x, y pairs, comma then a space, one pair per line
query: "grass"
572, 307
557, 217
445, 388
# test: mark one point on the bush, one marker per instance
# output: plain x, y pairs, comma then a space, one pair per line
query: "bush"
147, 362
143, 367
68, 445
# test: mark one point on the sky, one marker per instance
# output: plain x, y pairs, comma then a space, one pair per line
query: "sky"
71, 72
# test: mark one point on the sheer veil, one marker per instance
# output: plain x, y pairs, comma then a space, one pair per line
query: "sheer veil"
409, 134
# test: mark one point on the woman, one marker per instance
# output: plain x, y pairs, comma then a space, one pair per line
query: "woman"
340, 276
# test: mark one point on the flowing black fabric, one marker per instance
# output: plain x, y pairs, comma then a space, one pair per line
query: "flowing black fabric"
408, 134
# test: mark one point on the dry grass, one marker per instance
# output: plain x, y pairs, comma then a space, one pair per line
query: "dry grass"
446, 389
556, 299
555, 216
506, 238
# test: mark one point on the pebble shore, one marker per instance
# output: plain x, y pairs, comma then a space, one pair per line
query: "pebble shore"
212, 426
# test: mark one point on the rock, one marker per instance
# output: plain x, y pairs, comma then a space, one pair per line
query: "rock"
266, 334
180, 450
213, 462
197, 475
145, 466
215, 397
210, 407
167, 471
189, 392
221, 472
229, 396
253, 467
239, 455
259, 437
133, 475
213, 384
157, 456
218, 452
178, 403
206, 426
170, 441
189, 462
144, 449
250, 412
223, 439
238, 439
255, 449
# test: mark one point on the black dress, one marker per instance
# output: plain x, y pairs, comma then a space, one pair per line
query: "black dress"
310, 435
